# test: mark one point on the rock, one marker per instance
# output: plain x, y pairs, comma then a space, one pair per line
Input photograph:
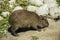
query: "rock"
32, 8
1, 18
18, 8
4, 14
54, 12
36, 2
51, 3
42, 10
12, 1
11, 6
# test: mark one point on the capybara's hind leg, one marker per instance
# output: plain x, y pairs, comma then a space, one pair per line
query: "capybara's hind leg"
13, 31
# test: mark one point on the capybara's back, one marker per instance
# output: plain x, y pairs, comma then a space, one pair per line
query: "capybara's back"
23, 18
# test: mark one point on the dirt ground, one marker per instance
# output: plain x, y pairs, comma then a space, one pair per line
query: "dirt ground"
50, 33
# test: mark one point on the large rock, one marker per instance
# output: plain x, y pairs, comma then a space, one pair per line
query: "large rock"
18, 8
51, 3
42, 10
36, 2
55, 12
32, 8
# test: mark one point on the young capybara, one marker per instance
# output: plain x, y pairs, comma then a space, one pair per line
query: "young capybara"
24, 18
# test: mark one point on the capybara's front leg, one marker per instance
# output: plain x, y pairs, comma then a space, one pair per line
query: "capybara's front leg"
13, 30
37, 29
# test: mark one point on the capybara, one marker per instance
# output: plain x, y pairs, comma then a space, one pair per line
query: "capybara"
24, 18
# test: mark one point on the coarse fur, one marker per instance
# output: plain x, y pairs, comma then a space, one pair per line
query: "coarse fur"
24, 18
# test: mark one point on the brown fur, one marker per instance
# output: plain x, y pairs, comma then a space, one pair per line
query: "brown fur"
23, 18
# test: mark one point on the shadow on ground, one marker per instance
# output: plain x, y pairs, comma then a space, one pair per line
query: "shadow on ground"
22, 29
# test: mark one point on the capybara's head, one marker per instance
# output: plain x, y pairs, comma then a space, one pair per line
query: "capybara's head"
43, 22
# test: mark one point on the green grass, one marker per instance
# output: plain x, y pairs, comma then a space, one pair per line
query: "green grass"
3, 26
58, 2
34, 38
